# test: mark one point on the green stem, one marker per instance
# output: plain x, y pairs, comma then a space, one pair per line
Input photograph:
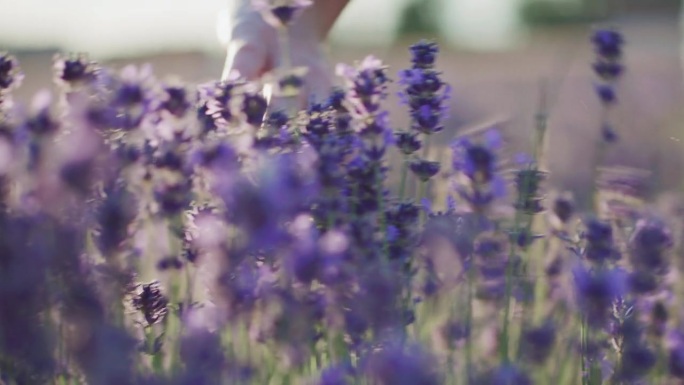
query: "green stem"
469, 325
583, 349
404, 176
422, 193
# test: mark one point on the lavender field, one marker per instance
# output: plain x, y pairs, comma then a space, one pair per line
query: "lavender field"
418, 227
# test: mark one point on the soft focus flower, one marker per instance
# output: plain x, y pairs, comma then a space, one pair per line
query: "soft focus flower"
606, 94
134, 96
280, 13
10, 73
424, 169
608, 43
528, 183
504, 375
74, 71
397, 365
407, 142
676, 361
249, 105
538, 342
367, 84
491, 251
599, 237
608, 70
424, 54
176, 100
477, 181
151, 303
43, 119
649, 246
335, 375
562, 210
597, 290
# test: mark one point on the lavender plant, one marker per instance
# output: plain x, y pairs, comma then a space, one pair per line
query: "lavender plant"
197, 237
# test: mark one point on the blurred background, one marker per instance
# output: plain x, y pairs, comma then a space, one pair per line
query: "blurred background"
497, 54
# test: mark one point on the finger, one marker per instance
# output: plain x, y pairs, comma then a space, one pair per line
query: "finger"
247, 59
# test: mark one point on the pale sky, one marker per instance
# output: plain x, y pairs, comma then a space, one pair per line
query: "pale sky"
128, 27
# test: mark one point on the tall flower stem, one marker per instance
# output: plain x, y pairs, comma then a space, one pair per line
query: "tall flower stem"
423, 186
538, 250
468, 325
382, 220
521, 223
404, 176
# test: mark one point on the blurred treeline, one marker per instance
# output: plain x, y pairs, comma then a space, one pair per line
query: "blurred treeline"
418, 17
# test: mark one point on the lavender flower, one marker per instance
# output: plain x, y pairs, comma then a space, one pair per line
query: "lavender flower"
504, 375
43, 120
599, 237
134, 96
280, 13
367, 85
649, 245
176, 100
492, 254
74, 71
407, 142
397, 365
151, 303
676, 361
477, 181
528, 183
537, 343
424, 54
424, 92
562, 208
608, 43
608, 67
249, 105
597, 290
424, 169
335, 375
10, 73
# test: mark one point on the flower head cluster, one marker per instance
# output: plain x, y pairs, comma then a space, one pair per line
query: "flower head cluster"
528, 183
367, 86
608, 66
151, 303
600, 247
134, 97
477, 181
10, 73
11, 77
491, 252
597, 290
425, 93
649, 247
74, 71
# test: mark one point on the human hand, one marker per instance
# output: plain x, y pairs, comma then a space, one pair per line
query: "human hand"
254, 49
